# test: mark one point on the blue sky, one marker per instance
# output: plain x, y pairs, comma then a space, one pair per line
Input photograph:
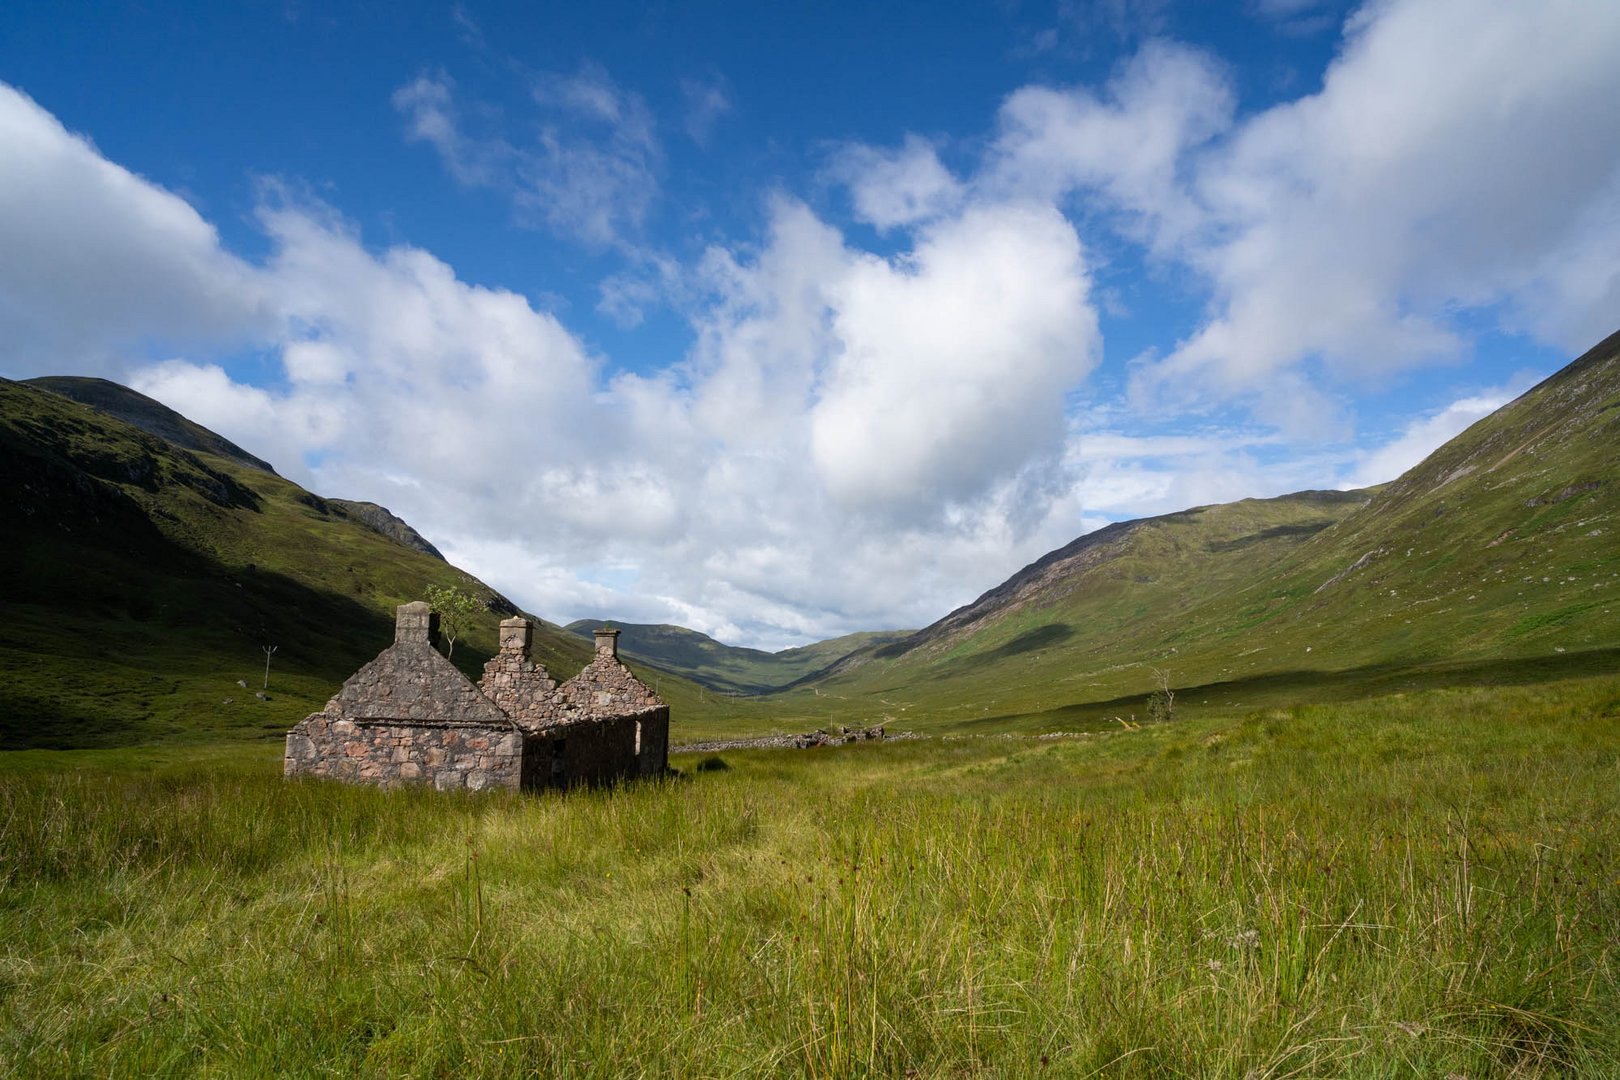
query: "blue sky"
781, 321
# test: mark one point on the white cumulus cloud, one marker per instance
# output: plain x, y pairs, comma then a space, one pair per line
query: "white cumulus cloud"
897, 187
853, 441
948, 370
95, 261
1458, 157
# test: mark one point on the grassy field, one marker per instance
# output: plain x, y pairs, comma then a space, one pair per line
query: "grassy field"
1419, 884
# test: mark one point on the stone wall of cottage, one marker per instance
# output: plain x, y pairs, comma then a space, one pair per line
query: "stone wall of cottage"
412, 681
652, 750
589, 752
605, 687
388, 754
518, 686
606, 691
409, 717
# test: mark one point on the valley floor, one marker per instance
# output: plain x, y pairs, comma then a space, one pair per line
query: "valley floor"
1423, 884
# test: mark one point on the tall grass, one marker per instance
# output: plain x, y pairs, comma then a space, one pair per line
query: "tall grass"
1420, 885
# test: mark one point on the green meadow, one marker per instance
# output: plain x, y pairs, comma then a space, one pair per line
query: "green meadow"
1418, 884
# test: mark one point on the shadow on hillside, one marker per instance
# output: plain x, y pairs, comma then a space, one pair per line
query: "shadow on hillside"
106, 631
1033, 640
1287, 688
1038, 638
1301, 530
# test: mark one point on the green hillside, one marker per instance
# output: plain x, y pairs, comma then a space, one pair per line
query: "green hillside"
142, 581
151, 416
1494, 559
728, 668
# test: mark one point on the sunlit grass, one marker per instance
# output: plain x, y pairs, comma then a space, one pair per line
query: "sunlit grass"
1416, 885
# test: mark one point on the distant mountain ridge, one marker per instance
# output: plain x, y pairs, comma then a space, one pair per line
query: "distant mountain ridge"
731, 669
1063, 571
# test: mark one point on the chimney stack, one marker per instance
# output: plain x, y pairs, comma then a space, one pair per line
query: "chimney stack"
607, 642
516, 636
416, 622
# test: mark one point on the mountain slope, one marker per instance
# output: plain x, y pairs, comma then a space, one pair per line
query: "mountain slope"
729, 668
1217, 543
153, 417
380, 520
1497, 553
1502, 543
142, 581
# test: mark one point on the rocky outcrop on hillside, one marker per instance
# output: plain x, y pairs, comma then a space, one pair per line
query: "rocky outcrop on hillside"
380, 520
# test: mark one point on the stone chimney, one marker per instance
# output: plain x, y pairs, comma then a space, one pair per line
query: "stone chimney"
517, 634
416, 622
607, 642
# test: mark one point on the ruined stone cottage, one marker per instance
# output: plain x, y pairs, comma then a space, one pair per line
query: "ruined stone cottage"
409, 717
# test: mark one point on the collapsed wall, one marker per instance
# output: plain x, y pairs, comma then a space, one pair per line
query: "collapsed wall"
604, 724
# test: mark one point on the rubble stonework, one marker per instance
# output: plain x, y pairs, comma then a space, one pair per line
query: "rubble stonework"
445, 756
606, 688
409, 717
516, 684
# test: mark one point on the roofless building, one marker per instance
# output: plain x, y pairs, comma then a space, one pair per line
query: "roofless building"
409, 717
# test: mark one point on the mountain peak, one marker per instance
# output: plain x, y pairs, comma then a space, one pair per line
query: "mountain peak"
151, 416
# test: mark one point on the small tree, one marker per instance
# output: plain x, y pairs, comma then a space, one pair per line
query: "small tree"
456, 611
269, 651
1161, 704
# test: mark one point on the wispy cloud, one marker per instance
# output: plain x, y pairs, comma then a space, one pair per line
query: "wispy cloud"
432, 116
707, 102
590, 172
